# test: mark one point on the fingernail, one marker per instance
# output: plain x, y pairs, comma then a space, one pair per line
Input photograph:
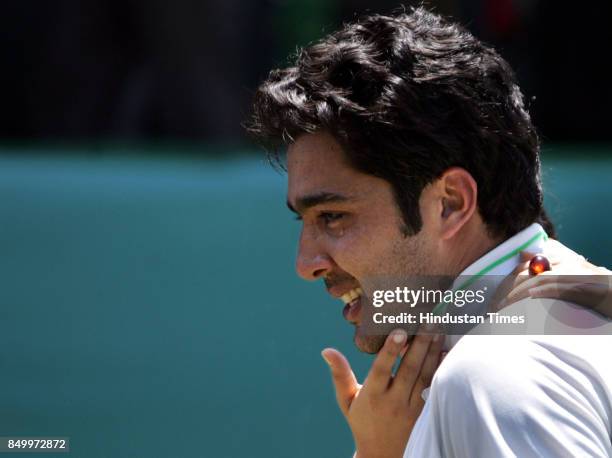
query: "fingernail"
436, 337
399, 336
325, 358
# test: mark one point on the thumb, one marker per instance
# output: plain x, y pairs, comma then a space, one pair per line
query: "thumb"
343, 377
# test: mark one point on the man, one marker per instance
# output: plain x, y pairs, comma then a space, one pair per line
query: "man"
410, 154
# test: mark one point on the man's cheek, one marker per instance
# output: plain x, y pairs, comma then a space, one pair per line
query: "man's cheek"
352, 255
357, 247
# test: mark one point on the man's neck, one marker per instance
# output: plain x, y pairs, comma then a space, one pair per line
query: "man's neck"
490, 268
472, 244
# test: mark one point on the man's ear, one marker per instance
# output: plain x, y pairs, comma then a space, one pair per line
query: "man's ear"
458, 194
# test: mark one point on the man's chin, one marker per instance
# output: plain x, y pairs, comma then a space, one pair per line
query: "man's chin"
368, 344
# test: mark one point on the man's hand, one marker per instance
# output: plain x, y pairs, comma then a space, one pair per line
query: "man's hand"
382, 412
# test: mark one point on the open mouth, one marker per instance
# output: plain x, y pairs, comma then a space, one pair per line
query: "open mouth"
352, 301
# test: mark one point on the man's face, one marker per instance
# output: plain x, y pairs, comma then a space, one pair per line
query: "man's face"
352, 228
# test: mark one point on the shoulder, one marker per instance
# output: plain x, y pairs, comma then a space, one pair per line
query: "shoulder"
487, 362
499, 366
525, 395
519, 380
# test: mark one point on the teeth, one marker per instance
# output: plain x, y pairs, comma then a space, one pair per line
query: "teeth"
351, 295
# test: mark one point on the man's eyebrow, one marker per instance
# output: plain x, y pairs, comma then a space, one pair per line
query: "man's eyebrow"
305, 202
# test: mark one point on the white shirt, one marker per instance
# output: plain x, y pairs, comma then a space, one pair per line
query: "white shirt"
520, 395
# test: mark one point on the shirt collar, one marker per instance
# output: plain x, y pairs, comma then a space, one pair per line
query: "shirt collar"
498, 263
502, 259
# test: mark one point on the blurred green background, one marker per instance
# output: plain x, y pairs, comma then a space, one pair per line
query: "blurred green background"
149, 305
151, 309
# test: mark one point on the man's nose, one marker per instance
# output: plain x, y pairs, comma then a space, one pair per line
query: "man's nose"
312, 261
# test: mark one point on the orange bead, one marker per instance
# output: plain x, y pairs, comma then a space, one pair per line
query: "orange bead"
538, 264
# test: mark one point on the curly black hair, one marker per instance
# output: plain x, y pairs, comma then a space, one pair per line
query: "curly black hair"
408, 96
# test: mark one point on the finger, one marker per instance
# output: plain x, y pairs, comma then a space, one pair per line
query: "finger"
526, 256
516, 291
345, 382
591, 295
411, 364
381, 372
520, 274
522, 269
430, 366
565, 292
499, 299
550, 283
431, 363
521, 288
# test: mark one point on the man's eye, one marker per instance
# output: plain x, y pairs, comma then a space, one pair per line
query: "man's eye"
330, 217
